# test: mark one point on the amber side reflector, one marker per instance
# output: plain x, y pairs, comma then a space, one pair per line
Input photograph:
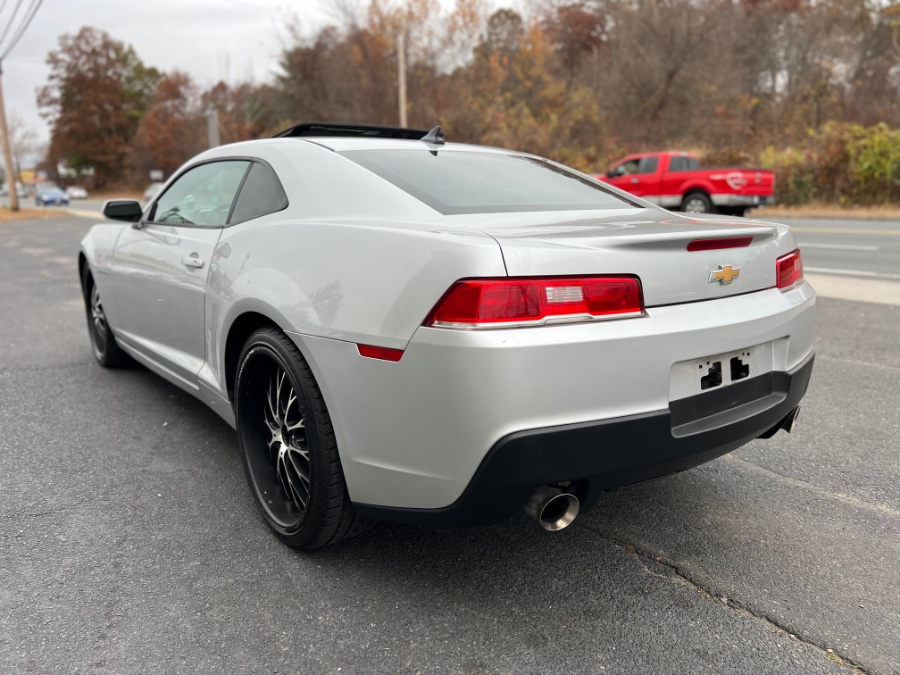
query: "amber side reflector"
715, 244
382, 353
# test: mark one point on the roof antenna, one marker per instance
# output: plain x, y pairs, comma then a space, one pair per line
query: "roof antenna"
434, 137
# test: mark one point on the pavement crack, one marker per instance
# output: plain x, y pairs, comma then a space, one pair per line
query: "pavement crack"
681, 574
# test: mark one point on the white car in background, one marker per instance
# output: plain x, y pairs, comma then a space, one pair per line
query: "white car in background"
76, 192
152, 190
409, 330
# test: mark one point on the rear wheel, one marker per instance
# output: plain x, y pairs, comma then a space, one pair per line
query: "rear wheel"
696, 202
103, 342
288, 445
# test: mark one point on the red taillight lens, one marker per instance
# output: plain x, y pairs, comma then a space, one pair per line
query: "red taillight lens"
486, 303
789, 269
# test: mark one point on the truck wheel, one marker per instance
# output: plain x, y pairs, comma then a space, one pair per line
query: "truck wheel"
696, 202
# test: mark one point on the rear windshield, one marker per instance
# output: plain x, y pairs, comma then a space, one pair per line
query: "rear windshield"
485, 182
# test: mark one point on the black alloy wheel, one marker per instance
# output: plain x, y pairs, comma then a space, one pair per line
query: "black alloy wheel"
288, 446
103, 342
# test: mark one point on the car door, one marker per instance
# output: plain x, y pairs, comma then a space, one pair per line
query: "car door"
637, 175
160, 268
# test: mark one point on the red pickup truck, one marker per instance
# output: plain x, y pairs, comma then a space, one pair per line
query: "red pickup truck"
674, 180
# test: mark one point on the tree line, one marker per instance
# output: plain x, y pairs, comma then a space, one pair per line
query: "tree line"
808, 87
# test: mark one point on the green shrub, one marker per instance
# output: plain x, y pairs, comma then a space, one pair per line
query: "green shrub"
841, 163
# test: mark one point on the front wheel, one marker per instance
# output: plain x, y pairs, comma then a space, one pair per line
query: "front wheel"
288, 445
103, 342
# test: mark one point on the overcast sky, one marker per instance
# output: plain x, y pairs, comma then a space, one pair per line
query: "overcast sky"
233, 40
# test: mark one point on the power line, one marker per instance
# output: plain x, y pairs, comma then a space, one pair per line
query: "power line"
29, 16
26, 20
11, 21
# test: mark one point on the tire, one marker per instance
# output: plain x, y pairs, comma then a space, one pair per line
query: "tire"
288, 446
103, 342
696, 202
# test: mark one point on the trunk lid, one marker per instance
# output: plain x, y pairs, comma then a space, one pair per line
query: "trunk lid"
648, 243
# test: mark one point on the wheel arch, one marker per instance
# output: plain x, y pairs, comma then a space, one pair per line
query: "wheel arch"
82, 266
243, 326
695, 189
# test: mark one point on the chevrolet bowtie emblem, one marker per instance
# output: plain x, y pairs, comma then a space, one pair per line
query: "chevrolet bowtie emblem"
725, 274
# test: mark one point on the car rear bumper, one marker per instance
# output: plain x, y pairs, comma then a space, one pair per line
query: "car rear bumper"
414, 434
608, 454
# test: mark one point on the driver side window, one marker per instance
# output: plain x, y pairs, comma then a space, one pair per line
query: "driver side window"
626, 168
202, 196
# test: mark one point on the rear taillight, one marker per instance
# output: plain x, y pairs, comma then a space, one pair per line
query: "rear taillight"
789, 269
504, 303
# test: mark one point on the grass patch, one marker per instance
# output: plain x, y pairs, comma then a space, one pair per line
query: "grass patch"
826, 211
7, 215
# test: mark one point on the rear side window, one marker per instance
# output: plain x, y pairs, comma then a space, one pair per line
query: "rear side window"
485, 182
683, 163
260, 195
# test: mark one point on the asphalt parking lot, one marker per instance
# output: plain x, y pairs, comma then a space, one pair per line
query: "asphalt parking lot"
129, 543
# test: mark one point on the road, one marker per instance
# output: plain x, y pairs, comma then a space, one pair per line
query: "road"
851, 247
868, 249
129, 543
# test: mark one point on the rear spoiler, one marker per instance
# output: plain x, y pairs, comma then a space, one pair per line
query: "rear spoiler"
351, 130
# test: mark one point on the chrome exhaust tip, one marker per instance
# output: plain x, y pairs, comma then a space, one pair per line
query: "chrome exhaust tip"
791, 422
552, 508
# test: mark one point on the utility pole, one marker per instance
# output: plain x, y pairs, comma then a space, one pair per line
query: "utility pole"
11, 178
212, 126
401, 77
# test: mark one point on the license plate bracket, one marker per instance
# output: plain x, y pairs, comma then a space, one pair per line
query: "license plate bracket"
709, 373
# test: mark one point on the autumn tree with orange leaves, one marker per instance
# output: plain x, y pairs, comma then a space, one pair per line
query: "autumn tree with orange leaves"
172, 129
96, 96
579, 81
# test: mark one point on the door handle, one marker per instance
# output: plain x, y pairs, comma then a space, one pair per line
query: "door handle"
192, 261
635, 181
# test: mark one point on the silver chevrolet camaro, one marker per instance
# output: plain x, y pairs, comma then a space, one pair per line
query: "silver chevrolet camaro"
404, 329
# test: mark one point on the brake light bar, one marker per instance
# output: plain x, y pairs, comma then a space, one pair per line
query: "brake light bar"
789, 270
512, 302
722, 242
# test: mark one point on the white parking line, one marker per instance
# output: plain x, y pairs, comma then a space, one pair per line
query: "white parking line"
840, 247
879, 291
852, 273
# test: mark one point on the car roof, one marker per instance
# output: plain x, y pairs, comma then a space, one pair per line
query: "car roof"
341, 144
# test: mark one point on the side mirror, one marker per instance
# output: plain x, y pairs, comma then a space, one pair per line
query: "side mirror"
128, 210
610, 174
